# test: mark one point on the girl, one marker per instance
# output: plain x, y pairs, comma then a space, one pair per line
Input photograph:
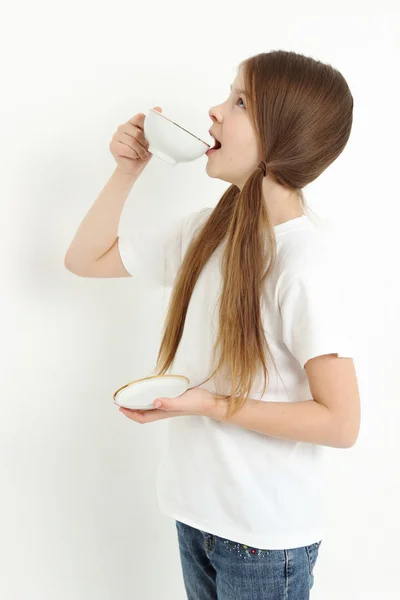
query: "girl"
256, 286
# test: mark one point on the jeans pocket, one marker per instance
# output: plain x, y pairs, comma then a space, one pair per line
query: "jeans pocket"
244, 551
312, 554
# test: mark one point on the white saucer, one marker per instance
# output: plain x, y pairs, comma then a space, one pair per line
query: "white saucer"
141, 393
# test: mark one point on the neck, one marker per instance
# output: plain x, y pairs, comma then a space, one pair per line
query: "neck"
283, 205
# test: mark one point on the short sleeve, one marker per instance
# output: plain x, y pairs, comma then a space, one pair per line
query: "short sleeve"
317, 311
155, 253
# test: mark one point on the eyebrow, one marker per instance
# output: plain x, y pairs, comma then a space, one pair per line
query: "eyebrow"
239, 91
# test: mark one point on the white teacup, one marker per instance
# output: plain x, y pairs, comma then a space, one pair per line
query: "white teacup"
170, 141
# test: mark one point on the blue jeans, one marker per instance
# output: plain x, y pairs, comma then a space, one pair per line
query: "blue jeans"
218, 569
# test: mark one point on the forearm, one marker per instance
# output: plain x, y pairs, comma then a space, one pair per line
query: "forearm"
99, 228
306, 421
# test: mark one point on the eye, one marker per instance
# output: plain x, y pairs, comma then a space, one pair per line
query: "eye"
241, 100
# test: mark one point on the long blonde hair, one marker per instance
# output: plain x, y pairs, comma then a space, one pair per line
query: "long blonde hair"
302, 111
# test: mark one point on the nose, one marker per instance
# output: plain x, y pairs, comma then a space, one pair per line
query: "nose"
212, 114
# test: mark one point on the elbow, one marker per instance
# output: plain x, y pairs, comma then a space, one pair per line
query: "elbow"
67, 263
347, 443
69, 267
348, 436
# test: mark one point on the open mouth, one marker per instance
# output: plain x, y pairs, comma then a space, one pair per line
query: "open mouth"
217, 146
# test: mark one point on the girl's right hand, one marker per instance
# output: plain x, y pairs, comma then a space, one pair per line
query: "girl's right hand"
129, 146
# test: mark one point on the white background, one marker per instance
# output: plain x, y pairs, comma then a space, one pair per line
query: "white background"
78, 508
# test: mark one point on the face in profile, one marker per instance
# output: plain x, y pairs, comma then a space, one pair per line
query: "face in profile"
238, 156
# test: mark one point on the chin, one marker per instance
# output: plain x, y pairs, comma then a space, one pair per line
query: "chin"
216, 175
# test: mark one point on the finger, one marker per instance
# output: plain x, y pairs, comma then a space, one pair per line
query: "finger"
144, 416
139, 146
134, 415
137, 120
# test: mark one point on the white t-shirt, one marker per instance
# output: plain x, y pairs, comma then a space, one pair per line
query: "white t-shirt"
242, 485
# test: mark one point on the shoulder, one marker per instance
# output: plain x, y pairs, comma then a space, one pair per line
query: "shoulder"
303, 249
313, 257
194, 221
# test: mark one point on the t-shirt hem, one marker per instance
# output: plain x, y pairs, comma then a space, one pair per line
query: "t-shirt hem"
267, 542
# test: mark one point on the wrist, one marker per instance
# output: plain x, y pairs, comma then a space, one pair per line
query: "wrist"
217, 407
127, 176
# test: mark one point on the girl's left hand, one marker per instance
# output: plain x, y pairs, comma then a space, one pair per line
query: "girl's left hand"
195, 401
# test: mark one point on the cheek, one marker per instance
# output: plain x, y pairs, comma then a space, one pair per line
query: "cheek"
243, 152
243, 145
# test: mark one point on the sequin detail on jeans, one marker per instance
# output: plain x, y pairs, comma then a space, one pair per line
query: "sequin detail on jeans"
243, 550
